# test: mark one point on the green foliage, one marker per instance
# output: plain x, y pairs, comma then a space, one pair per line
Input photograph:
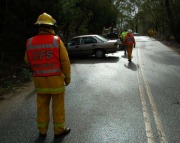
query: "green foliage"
103, 15
7, 86
162, 15
12, 78
26, 74
83, 17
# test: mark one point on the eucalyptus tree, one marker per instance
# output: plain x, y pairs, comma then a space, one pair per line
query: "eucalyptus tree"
69, 15
152, 15
163, 15
173, 13
127, 13
104, 14
83, 17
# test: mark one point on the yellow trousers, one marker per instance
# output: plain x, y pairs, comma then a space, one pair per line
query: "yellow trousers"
43, 112
129, 51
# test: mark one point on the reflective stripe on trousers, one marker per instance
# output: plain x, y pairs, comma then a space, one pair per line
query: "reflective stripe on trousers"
43, 112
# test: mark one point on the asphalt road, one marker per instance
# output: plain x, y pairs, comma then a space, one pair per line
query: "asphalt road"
109, 100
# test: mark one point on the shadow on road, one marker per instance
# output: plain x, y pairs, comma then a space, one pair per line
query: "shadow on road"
43, 140
124, 56
58, 140
39, 140
131, 66
93, 60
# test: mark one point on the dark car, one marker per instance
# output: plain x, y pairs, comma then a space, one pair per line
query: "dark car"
91, 45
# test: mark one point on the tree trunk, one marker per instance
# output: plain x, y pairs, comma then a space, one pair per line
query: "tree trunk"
79, 24
173, 23
2, 11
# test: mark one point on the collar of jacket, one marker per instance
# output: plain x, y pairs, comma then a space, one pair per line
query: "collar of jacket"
43, 30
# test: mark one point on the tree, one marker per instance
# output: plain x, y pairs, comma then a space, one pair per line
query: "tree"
173, 13
162, 15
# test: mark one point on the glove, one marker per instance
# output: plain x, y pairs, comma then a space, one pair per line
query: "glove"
67, 81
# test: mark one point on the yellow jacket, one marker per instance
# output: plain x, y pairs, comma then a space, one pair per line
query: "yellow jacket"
54, 84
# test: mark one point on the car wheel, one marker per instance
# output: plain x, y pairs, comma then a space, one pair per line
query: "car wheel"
99, 53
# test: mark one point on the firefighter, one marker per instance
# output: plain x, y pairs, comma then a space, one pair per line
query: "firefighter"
129, 41
49, 61
122, 38
152, 32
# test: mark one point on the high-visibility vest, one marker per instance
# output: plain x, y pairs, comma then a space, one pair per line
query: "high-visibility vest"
44, 55
123, 35
129, 39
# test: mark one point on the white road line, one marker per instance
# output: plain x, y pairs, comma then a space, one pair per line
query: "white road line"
162, 135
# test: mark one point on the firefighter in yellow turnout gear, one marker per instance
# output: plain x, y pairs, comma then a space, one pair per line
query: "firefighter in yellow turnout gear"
129, 41
49, 61
123, 35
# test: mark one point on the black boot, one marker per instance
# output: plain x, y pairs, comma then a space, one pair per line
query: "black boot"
66, 132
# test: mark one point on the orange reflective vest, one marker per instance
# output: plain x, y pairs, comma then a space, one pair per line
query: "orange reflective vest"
43, 55
129, 39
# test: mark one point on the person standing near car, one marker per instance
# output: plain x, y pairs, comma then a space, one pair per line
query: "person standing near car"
49, 61
124, 33
129, 41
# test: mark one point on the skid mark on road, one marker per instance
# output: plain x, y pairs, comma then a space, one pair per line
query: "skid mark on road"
144, 89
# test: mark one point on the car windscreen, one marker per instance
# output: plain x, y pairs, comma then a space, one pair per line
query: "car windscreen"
101, 38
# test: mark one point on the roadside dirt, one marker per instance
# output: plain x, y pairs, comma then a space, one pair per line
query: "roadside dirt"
13, 77
173, 45
18, 90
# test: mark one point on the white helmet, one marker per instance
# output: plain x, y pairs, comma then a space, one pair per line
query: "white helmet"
129, 31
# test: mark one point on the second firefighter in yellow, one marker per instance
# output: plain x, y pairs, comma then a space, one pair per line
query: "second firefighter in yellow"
129, 41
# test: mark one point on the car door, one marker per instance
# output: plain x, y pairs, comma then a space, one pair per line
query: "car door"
73, 47
88, 44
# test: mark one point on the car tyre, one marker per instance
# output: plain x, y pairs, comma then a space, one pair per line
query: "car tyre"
99, 53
